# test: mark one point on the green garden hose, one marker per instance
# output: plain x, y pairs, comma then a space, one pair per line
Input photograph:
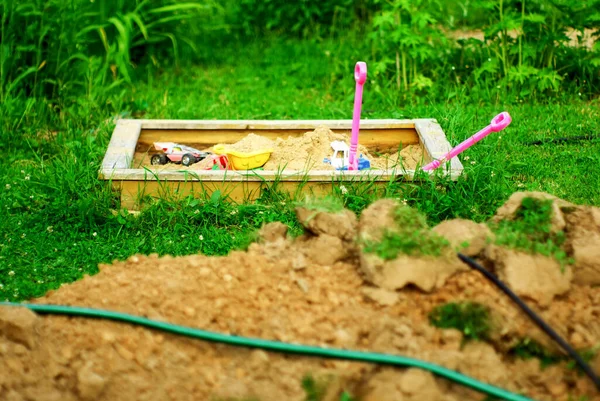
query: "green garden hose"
334, 353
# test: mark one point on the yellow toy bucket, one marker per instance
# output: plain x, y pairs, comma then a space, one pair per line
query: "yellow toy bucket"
243, 160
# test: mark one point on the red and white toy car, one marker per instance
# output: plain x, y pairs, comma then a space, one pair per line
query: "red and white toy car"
176, 153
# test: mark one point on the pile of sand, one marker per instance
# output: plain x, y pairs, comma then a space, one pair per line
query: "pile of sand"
307, 152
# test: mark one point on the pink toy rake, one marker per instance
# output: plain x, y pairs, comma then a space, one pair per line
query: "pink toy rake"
498, 123
360, 76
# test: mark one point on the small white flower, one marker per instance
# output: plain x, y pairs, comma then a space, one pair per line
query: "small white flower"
343, 189
520, 185
473, 162
31, 197
11, 273
453, 68
50, 229
233, 212
95, 234
196, 211
23, 235
27, 177
7, 186
467, 157
261, 212
201, 237
579, 93
182, 235
404, 202
282, 203
493, 174
489, 59
22, 171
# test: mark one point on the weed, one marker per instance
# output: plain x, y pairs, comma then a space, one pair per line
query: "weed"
472, 319
315, 389
411, 237
530, 231
528, 348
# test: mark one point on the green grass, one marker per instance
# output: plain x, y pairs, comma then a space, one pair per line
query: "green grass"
411, 236
324, 204
528, 348
470, 318
531, 231
315, 389
57, 221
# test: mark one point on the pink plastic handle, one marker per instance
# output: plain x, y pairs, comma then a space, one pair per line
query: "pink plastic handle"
360, 76
498, 123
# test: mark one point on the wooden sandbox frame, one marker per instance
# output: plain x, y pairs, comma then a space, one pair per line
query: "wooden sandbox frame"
131, 136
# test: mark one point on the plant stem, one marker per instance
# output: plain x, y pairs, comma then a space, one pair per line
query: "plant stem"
398, 56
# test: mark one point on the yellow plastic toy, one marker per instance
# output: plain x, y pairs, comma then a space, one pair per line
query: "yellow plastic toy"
243, 160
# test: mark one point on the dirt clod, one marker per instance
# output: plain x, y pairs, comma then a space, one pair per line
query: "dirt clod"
465, 236
533, 276
376, 219
341, 225
17, 324
273, 232
508, 211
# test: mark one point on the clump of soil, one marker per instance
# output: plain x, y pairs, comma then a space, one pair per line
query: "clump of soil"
307, 290
399, 249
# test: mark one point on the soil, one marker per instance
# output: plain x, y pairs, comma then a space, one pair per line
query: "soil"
306, 290
307, 152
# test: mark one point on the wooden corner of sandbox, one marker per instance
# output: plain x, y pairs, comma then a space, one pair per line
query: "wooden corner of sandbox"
127, 167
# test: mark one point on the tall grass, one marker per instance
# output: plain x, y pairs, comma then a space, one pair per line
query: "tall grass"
57, 47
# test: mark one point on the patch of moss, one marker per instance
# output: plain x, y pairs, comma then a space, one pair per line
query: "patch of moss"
528, 348
530, 231
411, 237
315, 389
471, 318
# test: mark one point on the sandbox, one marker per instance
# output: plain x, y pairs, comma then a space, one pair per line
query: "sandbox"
396, 147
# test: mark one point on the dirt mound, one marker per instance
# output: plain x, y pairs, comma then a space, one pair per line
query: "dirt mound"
284, 289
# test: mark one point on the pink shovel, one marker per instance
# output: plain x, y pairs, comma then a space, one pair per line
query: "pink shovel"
360, 76
499, 122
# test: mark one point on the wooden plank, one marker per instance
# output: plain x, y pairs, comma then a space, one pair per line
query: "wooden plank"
380, 139
132, 192
240, 176
121, 147
436, 144
271, 124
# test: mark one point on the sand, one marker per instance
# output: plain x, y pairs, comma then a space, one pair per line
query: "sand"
306, 153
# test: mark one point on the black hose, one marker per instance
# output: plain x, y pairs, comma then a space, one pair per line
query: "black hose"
534, 316
567, 139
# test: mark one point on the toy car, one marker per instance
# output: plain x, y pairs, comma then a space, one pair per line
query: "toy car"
176, 153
